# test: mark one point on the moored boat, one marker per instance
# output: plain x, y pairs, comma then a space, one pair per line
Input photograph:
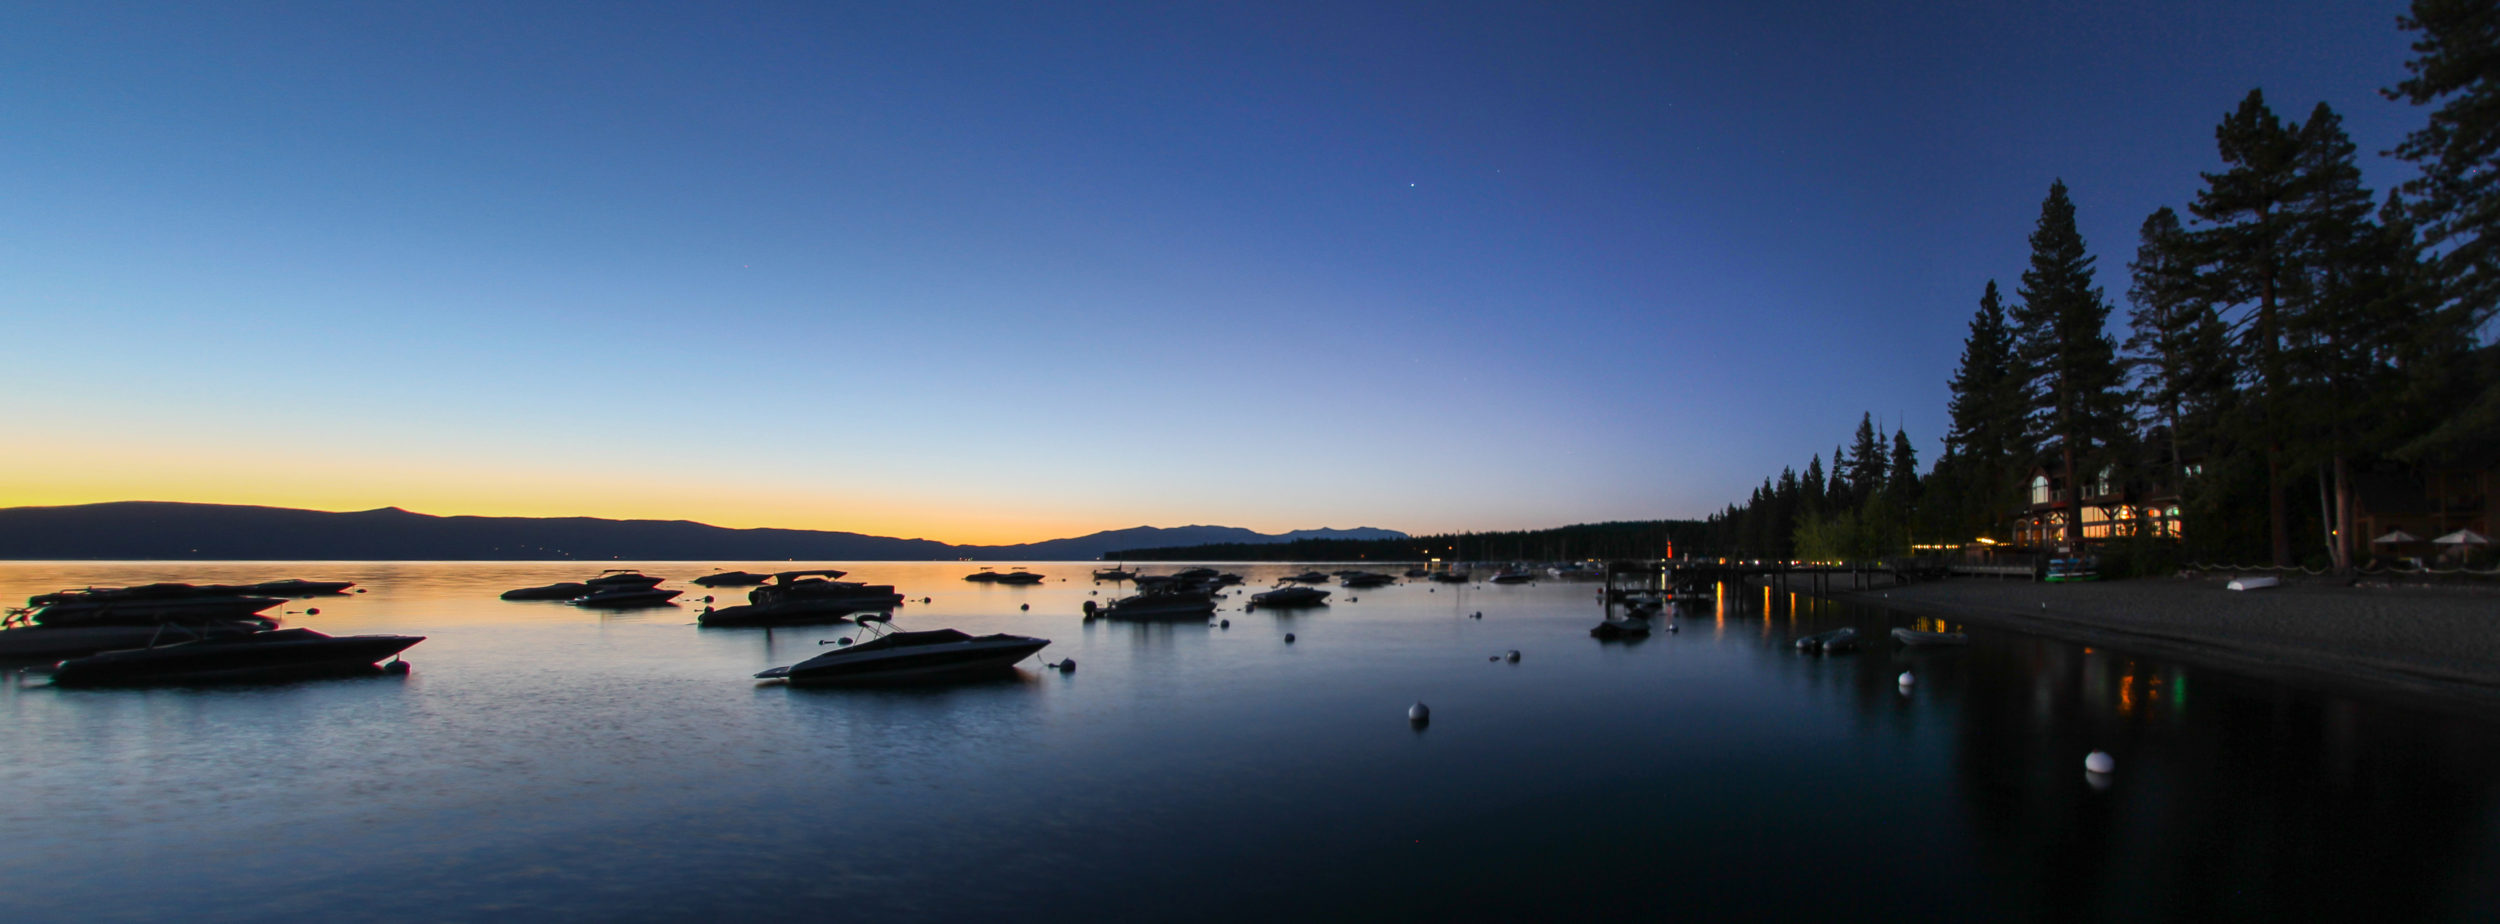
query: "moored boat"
47, 644
146, 605
1621, 627
911, 657
1513, 576
1836, 640
1157, 604
278, 654
625, 597
1290, 596
1914, 638
566, 590
804, 597
735, 579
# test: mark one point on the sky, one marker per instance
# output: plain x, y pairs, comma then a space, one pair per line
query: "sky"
992, 272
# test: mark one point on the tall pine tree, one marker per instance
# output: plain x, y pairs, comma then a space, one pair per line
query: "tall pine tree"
1987, 445
2246, 255
2177, 350
2456, 67
2061, 339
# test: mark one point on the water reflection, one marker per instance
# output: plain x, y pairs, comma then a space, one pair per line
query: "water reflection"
574, 764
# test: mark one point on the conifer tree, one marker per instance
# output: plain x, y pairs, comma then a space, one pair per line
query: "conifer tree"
1986, 408
2060, 338
1902, 479
1810, 489
2339, 325
2456, 67
1866, 462
2246, 254
2177, 350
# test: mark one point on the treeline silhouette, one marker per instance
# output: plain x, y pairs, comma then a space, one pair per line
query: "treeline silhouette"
1629, 539
2292, 334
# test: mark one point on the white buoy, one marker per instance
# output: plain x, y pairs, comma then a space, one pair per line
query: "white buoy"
2100, 762
1419, 713
1906, 679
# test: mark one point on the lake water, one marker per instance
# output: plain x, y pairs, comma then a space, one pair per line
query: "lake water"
547, 763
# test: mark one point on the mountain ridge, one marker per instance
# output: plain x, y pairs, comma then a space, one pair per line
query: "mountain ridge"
182, 531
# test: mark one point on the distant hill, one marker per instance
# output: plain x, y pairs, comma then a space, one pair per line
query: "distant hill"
149, 530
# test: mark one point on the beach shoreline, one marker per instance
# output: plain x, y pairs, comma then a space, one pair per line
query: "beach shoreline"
2437, 645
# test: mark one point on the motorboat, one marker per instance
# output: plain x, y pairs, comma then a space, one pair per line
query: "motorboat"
625, 597
291, 587
1157, 604
1197, 574
1418, 572
146, 604
737, 579
1513, 576
1113, 574
1309, 577
47, 644
1450, 577
1365, 580
1290, 596
1018, 576
619, 579
1914, 638
561, 591
278, 654
910, 657
803, 597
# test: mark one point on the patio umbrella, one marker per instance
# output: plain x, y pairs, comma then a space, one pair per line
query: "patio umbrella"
2463, 537
2395, 537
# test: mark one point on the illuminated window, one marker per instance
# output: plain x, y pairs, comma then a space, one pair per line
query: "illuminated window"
2039, 490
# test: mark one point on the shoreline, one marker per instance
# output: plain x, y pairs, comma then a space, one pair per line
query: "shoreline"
2439, 646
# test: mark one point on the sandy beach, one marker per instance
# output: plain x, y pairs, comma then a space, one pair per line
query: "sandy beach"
2442, 643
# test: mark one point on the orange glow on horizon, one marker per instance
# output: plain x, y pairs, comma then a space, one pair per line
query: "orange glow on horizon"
334, 484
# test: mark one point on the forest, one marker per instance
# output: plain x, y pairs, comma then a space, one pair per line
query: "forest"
2287, 328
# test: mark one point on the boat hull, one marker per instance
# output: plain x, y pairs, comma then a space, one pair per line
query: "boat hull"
917, 665
233, 661
795, 613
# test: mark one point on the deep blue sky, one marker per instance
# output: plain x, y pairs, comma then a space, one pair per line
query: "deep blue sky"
996, 272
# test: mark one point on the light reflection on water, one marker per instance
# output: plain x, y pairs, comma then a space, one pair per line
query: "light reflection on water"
550, 762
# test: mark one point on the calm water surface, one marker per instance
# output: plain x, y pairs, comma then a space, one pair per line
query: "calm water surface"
548, 763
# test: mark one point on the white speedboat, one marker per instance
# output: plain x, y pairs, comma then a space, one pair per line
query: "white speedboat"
911, 657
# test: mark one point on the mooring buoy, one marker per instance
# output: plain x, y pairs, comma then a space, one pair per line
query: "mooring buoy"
1419, 713
1288, 638
1513, 657
1224, 623
1067, 666
312, 611
1906, 679
2100, 762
